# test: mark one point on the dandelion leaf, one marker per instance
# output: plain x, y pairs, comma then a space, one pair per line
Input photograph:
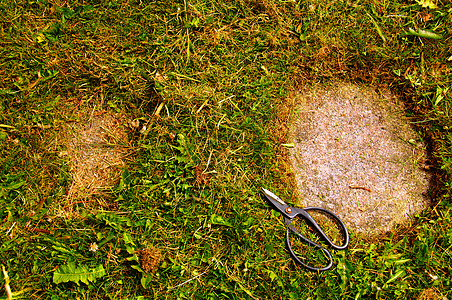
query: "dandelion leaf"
219, 220
427, 4
74, 273
424, 33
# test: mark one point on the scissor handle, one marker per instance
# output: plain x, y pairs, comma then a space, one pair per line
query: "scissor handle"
303, 213
298, 260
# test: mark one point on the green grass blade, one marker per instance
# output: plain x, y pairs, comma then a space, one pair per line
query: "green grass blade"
378, 28
424, 33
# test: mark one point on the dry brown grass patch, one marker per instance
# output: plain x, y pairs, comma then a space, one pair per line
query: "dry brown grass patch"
431, 294
97, 147
149, 258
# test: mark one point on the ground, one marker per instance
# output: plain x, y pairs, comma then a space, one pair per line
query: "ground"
207, 90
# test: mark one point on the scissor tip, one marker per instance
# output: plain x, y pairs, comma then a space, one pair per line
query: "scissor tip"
272, 196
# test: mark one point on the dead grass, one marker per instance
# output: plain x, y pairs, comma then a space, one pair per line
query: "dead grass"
97, 147
431, 294
149, 259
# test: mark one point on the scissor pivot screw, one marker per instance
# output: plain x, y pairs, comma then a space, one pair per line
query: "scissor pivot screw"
288, 210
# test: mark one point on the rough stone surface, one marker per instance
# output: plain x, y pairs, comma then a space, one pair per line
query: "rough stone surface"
356, 154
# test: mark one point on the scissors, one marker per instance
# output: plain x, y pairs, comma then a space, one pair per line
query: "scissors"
289, 213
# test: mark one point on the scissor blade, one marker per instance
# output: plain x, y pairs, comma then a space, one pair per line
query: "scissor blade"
272, 196
280, 205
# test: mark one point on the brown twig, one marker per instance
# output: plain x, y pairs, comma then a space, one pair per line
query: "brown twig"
40, 230
360, 188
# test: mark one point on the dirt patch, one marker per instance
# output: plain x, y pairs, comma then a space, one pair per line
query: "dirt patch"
356, 154
97, 146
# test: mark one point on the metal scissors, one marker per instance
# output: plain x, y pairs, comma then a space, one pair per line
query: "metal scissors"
290, 213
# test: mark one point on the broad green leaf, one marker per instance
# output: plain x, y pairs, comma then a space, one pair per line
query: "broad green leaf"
114, 221
424, 33
128, 239
137, 268
71, 272
63, 249
185, 147
14, 186
245, 290
342, 271
397, 275
219, 220
439, 94
125, 179
427, 4
289, 145
130, 249
9, 185
134, 257
145, 280
401, 261
272, 275
3, 135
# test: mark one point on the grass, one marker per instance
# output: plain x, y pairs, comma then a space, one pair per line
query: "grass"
209, 83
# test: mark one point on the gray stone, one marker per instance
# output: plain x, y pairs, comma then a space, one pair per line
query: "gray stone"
357, 154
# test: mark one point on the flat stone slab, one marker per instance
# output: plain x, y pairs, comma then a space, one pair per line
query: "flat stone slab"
356, 154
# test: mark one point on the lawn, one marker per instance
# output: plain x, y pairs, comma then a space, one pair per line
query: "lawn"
202, 91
